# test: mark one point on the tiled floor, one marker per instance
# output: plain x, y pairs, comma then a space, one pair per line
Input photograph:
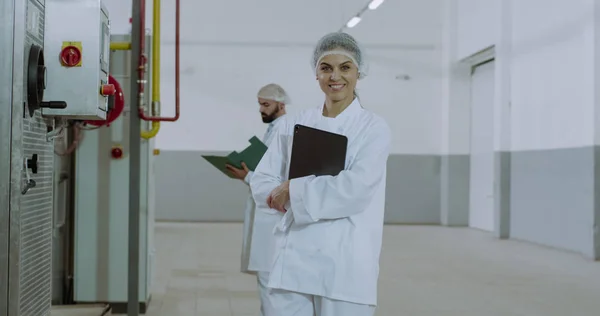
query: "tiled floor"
425, 271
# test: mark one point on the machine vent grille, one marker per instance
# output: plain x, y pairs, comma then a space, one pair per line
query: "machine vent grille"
36, 224
35, 23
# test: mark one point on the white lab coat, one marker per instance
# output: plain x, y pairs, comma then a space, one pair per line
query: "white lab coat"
329, 241
255, 250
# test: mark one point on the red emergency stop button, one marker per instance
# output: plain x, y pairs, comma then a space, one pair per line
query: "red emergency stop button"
70, 56
108, 89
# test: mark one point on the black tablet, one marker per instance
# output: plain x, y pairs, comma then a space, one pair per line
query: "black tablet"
317, 152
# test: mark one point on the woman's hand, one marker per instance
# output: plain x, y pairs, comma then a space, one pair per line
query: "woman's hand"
279, 197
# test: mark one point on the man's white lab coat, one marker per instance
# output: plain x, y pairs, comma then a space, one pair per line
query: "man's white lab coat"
329, 241
257, 237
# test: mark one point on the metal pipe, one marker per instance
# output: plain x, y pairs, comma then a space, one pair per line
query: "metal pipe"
147, 134
152, 132
155, 108
141, 111
156, 51
69, 243
120, 45
137, 48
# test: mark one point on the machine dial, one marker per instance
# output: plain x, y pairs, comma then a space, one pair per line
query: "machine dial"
36, 78
36, 82
70, 56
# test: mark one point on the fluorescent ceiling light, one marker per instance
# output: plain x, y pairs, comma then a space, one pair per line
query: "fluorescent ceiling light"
353, 21
375, 4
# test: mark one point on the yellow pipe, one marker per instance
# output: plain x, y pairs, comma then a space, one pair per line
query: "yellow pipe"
147, 134
120, 46
156, 52
155, 71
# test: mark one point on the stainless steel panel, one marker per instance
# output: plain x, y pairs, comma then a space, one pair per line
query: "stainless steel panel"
36, 223
30, 245
16, 158
6, 77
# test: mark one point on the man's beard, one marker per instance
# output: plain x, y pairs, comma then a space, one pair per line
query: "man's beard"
269, 118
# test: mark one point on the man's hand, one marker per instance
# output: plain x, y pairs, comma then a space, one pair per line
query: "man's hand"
238, 173
279, 197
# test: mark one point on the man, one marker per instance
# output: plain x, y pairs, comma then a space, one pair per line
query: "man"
258, 231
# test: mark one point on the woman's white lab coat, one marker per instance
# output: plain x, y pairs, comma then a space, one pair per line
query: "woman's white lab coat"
257, 231
329, 241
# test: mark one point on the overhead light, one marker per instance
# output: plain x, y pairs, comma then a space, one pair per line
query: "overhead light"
353, 21
375, 4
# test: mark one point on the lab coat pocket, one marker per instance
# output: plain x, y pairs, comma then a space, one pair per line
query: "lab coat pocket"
285, 223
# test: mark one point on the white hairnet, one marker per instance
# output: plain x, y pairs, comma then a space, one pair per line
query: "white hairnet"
274, 92
343, 44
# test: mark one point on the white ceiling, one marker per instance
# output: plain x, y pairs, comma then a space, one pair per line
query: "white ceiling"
287, 22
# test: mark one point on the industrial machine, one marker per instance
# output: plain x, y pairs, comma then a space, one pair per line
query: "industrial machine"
29, 90
113, 176
70, 149
101, 198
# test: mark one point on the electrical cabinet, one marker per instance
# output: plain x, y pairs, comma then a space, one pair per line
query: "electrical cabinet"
77, 45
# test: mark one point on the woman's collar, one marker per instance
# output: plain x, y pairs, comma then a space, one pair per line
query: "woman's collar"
351, 109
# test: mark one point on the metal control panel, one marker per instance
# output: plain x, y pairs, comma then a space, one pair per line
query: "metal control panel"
27, 162
77, 46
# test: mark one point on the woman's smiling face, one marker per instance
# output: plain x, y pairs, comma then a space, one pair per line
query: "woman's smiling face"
337, 75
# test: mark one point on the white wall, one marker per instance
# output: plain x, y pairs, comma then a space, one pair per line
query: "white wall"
545, 106
478, 22
227, 55
552, 74
552, 94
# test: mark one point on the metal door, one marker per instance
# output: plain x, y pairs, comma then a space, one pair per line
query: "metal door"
481, 204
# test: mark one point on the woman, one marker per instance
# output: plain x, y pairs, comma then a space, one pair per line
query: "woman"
326, 260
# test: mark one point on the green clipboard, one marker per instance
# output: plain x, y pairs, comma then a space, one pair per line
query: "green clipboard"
251, 156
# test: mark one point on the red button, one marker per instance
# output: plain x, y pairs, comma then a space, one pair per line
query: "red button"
70, 56
117, 153
108, 89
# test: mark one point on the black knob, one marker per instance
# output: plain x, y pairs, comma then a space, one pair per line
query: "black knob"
33, 163
54, 104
